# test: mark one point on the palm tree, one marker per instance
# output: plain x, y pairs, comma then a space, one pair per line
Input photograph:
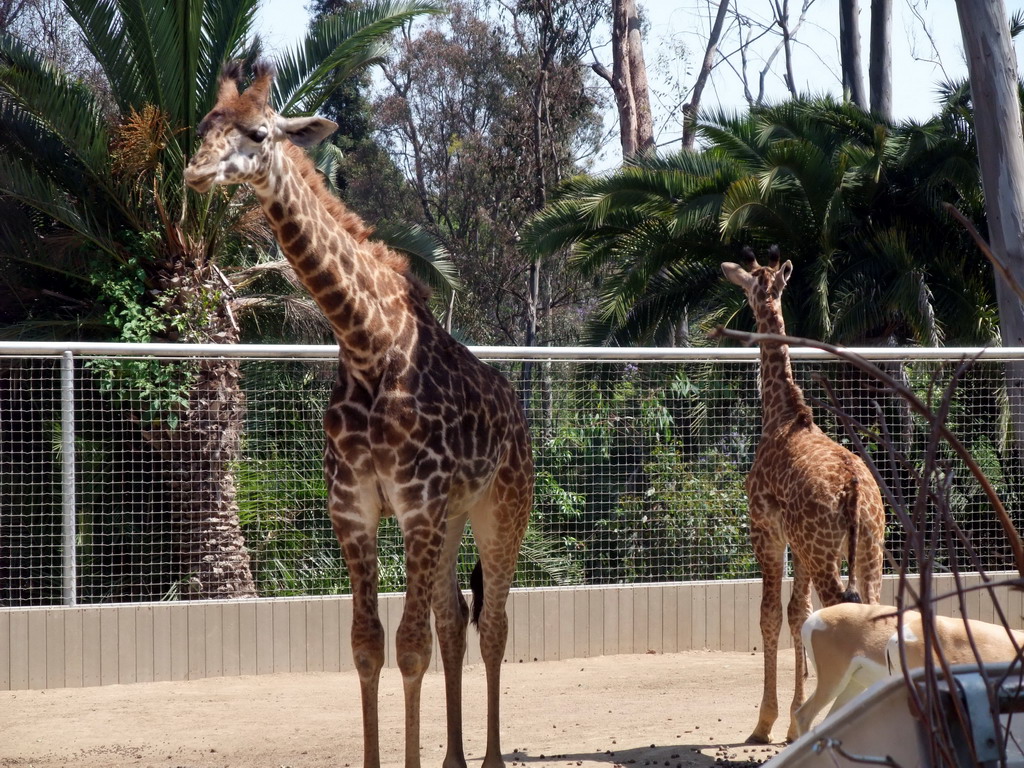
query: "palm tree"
854, 204
97, 182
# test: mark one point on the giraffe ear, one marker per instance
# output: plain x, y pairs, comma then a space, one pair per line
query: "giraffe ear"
783, 275
736, 274
306, 131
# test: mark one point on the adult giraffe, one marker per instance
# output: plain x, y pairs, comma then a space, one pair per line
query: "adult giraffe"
804, 490
416, 426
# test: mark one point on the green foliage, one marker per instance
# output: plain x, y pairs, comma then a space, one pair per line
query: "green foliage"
693, 522
854, 203
156, 390
128, 148
471, 151
625, 480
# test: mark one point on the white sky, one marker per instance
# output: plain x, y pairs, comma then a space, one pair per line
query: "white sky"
675, 23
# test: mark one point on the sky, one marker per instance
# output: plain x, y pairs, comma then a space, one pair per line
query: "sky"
916, 66
676, 25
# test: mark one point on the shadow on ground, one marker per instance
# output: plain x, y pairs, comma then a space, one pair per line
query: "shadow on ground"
678, 756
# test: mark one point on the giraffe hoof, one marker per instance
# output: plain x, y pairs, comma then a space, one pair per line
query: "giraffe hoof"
759, 738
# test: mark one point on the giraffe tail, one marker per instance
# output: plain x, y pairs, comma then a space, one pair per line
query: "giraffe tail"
850, 502
476, 584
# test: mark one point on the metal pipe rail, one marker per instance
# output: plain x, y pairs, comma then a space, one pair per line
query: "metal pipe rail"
645, 354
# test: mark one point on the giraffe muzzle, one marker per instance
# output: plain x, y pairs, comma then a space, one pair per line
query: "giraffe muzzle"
199, 179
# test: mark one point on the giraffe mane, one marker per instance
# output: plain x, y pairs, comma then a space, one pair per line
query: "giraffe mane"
350, 221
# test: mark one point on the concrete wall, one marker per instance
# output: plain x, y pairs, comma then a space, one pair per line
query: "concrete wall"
72, 647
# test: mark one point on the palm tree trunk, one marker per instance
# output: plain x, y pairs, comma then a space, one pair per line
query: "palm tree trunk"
201, 449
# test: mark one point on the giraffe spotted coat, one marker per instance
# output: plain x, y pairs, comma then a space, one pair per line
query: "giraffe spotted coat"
804, 490
417, 427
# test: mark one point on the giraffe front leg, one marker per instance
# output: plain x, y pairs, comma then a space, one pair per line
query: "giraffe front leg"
769, 553
360, 551
355, 514
413, 639
451, 616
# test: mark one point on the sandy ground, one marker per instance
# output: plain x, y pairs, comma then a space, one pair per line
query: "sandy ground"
676, 710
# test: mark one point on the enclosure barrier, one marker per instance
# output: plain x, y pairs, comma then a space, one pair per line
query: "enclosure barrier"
136, 473
133, 477
151, 642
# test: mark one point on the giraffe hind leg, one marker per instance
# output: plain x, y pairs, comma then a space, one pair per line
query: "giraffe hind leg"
498, 531
798, 610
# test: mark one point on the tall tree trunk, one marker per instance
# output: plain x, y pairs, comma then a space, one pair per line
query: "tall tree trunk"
201, 449
997, 124
638, 79
849, 52
628, 80
546, 48
690, 110
880, 64
787, 46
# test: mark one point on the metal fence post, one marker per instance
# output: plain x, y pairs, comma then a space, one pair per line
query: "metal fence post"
67, 403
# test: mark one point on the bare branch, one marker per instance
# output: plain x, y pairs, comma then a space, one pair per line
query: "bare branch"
983, 246
690, 109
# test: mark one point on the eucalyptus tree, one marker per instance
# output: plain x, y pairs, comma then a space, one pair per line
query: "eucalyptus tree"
482, 155
995, 97
100, 202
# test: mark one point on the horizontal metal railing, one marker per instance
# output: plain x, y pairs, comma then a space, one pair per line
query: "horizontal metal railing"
538, 354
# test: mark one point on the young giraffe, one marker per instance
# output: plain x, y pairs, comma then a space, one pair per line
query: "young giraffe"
416, 426
803, 489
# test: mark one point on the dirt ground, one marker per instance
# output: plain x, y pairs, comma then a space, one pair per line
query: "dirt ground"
677, 710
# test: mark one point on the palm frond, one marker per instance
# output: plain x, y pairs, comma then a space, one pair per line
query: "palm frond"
339, 46
46, 108
295, 318
23, 184
429, 260
105, 34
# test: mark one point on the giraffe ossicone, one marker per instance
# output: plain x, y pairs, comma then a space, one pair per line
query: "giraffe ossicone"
804, 490
417, 427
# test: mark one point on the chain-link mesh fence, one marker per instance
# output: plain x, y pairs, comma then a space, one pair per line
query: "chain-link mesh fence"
212, 465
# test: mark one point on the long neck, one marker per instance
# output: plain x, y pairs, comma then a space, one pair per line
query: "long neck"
782, 400
365, 301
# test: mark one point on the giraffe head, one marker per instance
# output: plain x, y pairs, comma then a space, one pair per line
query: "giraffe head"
242, 133
763, 285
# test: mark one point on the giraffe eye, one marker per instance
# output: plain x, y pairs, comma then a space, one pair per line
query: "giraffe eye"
258, 134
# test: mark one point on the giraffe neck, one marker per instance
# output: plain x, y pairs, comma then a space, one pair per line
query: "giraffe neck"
351, 279
782, 400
